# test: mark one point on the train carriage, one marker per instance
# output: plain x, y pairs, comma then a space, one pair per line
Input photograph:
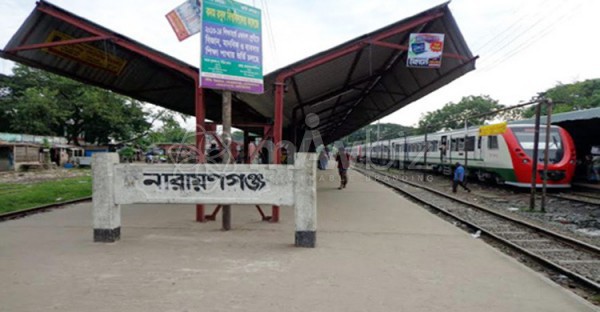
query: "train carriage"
505, 157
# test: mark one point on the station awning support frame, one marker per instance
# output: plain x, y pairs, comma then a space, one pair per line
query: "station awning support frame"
280, 81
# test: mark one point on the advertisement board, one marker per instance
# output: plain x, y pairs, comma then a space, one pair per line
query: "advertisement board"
231, 47
186, 19
425, 50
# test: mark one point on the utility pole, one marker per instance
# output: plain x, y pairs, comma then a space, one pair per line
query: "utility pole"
536, 140
546, 151
226, 111
465, 145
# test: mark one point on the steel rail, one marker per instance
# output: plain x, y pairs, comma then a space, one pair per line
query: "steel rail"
30, 211
568, 197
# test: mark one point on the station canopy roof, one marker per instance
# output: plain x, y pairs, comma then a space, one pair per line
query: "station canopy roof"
348, 86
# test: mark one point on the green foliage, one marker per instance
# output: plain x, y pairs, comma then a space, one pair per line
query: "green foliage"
170, 132
237, 136
38, 102
127, 152
15, 197
452, 115
386, 131
567, 97
571, 97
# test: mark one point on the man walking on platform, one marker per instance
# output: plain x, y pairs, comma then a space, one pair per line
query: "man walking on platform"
459, 178
343, 162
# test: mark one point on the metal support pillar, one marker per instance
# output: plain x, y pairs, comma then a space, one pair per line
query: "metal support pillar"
200, 138
465, 145
246, 147
546, 151
278, 132
226, 116
536, 140
425, 157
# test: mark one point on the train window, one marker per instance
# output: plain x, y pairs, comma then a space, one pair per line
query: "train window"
479, 142
454, 146
493, 142
471, 143
461, 144
525, 136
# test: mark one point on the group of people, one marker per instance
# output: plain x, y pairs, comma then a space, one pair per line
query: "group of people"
343, 163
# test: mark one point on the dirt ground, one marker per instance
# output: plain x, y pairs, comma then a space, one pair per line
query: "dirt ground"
41, 175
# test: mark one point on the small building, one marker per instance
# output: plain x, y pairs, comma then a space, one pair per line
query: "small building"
14, 156
64, 153
175, 152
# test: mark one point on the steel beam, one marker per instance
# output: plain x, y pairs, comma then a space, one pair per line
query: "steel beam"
187, 70
46, 45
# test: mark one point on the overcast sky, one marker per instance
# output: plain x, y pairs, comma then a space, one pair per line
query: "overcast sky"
525, 47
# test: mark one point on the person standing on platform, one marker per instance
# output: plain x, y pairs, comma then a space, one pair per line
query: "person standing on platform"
459, 178
343, 163
323, 159
214, 155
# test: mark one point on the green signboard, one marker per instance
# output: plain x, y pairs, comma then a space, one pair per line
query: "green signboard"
231, 47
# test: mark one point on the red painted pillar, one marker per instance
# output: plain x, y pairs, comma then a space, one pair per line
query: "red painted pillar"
246, 147
278, 131
200, 139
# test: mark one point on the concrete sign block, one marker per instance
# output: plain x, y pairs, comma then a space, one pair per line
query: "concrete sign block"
283, 185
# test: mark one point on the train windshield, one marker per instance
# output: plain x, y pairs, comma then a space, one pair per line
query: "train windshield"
525, 136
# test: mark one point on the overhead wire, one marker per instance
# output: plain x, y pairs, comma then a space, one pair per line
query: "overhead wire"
270, 34
531, 39
510, 38
517, 19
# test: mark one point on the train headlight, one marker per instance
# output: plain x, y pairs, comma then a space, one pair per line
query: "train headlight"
572, 161
525, 161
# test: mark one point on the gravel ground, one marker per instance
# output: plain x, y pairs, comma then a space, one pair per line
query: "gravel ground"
578, 220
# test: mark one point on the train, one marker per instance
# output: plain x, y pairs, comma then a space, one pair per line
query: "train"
504, 157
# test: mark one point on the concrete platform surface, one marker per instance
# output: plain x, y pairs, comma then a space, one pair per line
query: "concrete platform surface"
375, 252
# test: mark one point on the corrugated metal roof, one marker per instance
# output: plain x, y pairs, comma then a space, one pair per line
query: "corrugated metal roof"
146, 75
355, 89
346, 92
584, 114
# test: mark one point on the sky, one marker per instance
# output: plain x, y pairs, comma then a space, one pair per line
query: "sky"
524, 47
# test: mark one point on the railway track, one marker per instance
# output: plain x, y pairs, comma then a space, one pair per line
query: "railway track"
567, 256
577, 197
26, 212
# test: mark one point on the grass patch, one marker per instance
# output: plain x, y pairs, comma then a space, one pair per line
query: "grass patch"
15, 197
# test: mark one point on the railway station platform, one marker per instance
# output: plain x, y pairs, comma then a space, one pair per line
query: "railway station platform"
376, 251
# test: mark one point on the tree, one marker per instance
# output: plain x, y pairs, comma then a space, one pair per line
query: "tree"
452, 115
170, 131
571, 97
237, 136
37, 102
386, 131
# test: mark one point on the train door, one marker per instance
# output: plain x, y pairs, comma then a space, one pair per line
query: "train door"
478, 154
491, 152
444, 149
